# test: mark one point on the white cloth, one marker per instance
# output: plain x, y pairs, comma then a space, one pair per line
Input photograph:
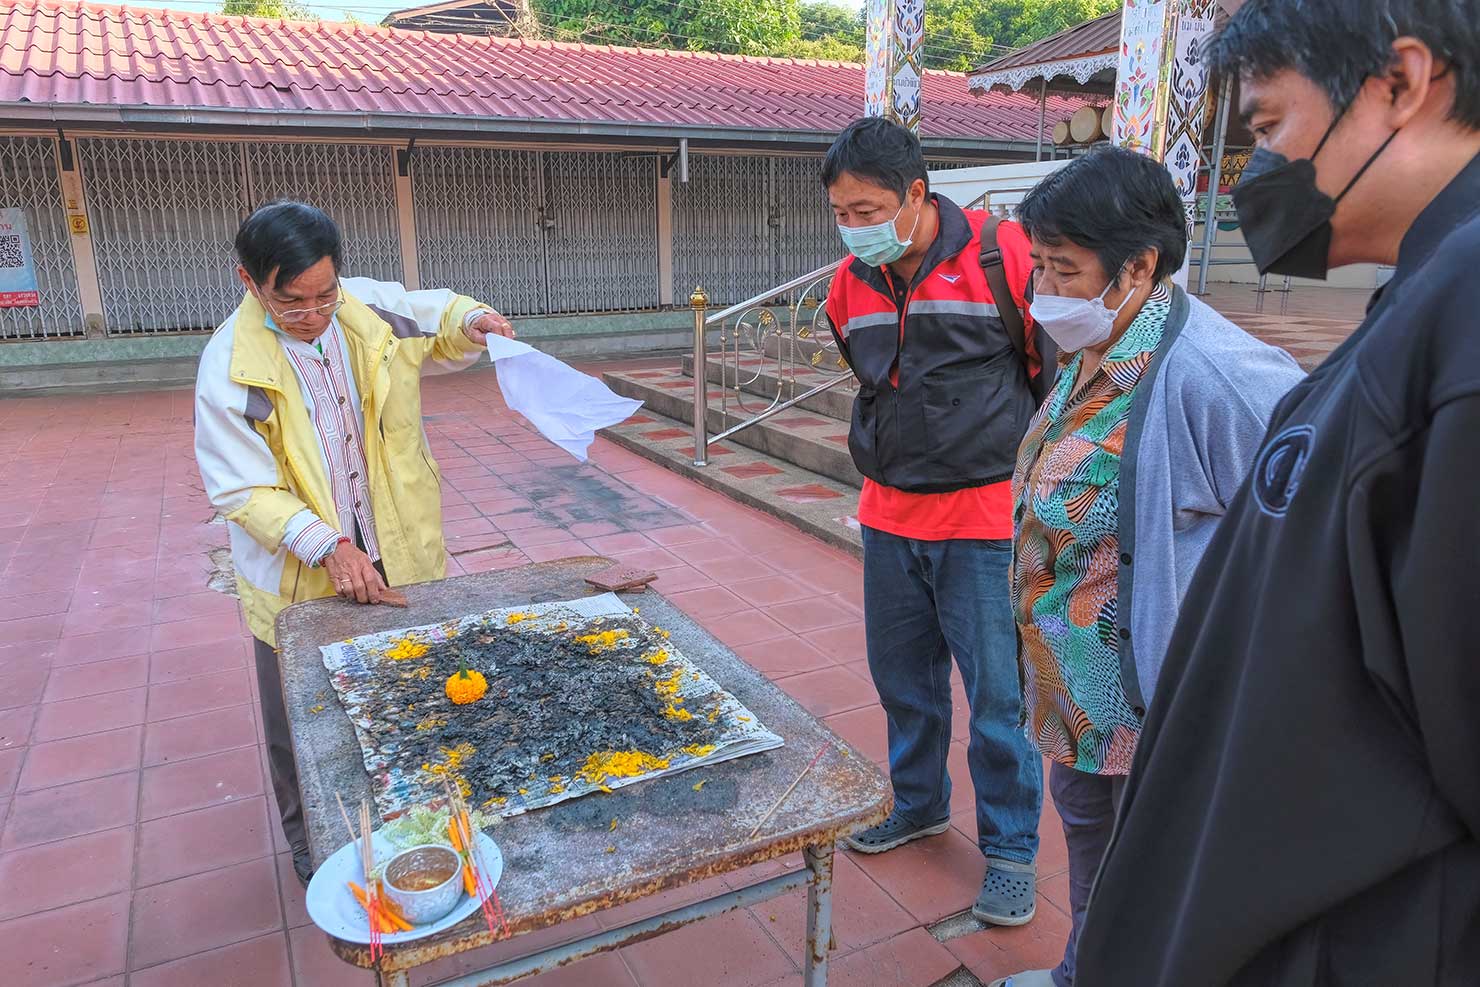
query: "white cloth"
566, 405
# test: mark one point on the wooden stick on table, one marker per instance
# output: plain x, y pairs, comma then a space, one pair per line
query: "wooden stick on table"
787, 794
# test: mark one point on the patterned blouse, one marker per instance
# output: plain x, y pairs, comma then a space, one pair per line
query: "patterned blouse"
1066, 556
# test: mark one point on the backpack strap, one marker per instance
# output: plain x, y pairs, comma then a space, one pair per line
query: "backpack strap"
1008, 312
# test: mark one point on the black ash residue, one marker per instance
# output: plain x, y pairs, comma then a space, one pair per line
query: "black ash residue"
551, 703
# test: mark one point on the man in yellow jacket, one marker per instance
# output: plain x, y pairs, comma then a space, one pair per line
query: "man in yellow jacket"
309, 439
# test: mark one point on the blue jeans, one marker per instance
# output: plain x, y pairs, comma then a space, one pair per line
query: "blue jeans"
923, 602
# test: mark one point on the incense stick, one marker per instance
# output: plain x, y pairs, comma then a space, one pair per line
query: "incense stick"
344, 814
787, 794
372, 893
462, 821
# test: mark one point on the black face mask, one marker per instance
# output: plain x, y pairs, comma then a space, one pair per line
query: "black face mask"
1286, 219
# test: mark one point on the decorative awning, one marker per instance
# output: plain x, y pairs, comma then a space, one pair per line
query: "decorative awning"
1082, 70
1082, 58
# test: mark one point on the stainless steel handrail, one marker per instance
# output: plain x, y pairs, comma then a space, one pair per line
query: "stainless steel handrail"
772, 293
778, 408
803, 299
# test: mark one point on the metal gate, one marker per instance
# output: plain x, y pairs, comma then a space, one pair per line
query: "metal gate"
807, 234
29, 181
538, 232
477, 224
601, 232
354, 183
721, 228
743, 224
164, 214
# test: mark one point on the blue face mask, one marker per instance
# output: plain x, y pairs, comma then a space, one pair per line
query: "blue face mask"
879, 244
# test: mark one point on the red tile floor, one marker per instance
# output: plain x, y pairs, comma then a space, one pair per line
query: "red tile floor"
138, 840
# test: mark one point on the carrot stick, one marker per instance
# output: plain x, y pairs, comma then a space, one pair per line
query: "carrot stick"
465, 830
468, 884
452, 833
384, 919
364, 901
391, 912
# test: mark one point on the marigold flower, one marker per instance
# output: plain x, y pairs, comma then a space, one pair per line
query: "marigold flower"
466, 687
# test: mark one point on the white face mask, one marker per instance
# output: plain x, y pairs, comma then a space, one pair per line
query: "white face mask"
1077, 323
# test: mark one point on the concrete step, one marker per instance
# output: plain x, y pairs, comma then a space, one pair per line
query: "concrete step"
764, 378
816, 504
816, 443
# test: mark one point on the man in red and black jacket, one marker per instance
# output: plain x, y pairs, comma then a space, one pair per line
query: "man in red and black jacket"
943, 401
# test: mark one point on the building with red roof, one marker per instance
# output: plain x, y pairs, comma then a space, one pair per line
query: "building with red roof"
552, 179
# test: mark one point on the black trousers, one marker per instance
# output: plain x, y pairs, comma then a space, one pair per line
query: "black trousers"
280, 763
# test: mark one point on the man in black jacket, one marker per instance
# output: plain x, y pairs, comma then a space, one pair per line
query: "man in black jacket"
1304, 807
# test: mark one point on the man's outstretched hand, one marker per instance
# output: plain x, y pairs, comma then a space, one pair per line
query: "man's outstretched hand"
488, 324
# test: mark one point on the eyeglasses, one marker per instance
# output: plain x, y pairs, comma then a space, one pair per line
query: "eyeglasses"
299, 314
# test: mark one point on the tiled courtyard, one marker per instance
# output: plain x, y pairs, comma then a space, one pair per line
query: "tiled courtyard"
138, 840
140, 845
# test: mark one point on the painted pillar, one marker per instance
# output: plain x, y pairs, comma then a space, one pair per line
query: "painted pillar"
665, 233
1161, 89
406, 221
896, 31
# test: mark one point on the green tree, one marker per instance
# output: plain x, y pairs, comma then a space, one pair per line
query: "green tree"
823, 19
747, 27
959, 34
829, 49
283, 9
830, 32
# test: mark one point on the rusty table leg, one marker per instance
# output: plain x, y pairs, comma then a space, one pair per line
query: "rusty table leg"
396, 978
819, 914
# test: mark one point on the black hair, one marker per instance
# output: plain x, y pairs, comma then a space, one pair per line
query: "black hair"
1112, 201
1339, 44
287, 237
877, 151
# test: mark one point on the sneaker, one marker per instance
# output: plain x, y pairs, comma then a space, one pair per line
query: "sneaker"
303, 867
1028, 978
1009, 893
892, 832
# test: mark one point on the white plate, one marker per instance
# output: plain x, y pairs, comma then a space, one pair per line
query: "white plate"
335, 910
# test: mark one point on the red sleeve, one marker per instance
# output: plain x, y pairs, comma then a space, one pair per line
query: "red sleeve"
837, 314
1018, 267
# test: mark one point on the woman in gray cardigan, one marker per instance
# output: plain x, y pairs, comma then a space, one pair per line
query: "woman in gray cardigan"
1124, 473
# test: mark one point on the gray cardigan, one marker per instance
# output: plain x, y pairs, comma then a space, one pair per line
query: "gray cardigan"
1196, 425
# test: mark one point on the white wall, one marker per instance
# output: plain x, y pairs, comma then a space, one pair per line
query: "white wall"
1004, 184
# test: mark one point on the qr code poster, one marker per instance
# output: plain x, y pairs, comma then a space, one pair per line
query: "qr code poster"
17, 267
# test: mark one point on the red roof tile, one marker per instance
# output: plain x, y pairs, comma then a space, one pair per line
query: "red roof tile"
79, 54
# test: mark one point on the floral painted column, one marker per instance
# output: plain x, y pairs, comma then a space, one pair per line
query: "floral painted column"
896, 29
1161, 89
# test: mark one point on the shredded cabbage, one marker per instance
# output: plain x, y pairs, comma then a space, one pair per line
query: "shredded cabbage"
422, 826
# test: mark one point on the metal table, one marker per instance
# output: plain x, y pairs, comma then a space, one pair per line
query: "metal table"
556, 867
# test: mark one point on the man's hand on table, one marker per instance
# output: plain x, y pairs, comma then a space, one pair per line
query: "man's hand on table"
489, 323
353, 574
